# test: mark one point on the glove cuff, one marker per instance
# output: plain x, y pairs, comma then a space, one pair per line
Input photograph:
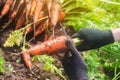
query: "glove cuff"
109, 37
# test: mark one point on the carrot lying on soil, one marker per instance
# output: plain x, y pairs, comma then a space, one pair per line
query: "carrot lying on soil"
6, 8
57, 44
26, 57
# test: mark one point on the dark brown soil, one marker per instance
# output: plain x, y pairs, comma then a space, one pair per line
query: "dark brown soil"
17, 70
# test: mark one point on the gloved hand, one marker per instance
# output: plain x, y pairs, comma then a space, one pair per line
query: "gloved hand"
93, 38
74, 65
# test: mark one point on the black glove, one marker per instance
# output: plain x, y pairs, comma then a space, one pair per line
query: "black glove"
74, 65
93, 38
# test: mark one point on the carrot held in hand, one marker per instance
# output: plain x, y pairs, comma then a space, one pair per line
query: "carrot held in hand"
51, 46
57, 44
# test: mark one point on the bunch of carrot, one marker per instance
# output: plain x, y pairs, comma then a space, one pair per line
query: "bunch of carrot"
23, 12
42, 15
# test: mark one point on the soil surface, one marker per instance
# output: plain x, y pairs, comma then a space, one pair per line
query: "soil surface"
17, 70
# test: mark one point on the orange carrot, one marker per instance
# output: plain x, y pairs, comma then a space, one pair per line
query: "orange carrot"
26, 58
32, 9
55, 11
21, 20
38, 8
61, 16
51, 46
30, 28
28, 6
13, 5
41, 28
15, 11
44, 25
49, 5
6, 8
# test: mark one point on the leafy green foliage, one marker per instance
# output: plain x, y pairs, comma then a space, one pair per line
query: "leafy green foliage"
15, 38
91, 13
49, 64
2, 63
94, 66
110, 55
5, 67
116, 75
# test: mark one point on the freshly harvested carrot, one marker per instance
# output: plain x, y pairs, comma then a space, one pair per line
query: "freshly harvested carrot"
28, 6
32, 9
6, 8
15, 11
41, 28
26, 58
30, 28
57, 44
38, 8
49, 5
55, 12
13, 5
44, 25
21, 20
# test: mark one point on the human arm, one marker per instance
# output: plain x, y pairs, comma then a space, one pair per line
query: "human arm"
116, 34
96, 38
